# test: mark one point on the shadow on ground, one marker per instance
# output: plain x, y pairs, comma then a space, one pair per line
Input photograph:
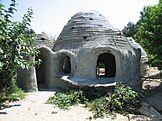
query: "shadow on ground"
4, 106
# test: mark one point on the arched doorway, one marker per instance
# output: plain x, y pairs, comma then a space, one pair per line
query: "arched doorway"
65, 64
106, 65
41, 69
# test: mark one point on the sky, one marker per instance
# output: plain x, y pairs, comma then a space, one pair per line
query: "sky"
50, 16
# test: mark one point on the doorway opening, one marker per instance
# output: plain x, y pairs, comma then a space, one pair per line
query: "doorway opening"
106, 65
41, 68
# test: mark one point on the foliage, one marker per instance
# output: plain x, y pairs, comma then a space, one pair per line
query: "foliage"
149, 34
11, 93
131, 29
99, 107
16, 44
124, 100
65, 100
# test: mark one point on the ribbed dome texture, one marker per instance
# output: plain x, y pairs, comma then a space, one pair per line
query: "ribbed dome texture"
88, 27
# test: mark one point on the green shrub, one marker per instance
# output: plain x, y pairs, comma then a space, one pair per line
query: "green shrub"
98, 107
65, 100
123, 100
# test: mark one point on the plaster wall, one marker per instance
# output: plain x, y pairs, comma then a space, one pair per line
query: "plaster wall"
26, 78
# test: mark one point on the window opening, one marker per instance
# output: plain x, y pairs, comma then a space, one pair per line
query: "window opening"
106, 65
65, 64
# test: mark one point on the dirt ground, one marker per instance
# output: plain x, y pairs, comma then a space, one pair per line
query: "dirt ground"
34, 108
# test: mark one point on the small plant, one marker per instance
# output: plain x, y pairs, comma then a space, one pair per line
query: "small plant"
65, 100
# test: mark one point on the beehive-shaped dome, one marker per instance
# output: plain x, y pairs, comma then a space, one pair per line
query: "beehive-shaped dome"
89, 27
82, 23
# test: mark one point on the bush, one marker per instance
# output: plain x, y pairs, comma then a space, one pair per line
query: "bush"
65, 100
123, 100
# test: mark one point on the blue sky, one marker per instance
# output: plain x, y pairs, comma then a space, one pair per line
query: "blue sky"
50, 16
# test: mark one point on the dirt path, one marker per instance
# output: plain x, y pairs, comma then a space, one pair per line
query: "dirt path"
33, 108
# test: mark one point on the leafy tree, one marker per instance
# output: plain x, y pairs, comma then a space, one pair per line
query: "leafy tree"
130, 30
149, 34
16, 44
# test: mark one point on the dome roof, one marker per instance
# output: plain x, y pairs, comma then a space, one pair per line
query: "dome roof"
84, 27
83, 23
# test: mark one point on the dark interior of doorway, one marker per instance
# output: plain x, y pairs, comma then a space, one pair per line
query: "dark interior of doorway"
40, 69
65, 64
106, 65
